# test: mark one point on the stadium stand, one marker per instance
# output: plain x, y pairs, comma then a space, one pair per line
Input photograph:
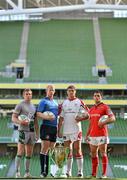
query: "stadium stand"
7, 129
114, 42
72, 43
10, 35
119, 128
65, 47
119, 166
4, 165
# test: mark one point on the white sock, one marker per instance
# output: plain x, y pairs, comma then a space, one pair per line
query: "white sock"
80, 165
69, 165
17, 163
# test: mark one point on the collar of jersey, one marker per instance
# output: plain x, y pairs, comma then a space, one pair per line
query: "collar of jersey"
99, 104
72, 99
48, 98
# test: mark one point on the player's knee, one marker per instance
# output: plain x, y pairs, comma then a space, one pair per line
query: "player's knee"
19, 155
44, 150
94, 154
79, 155
20, 152
70, 155
103, 154
28, 157
77, 151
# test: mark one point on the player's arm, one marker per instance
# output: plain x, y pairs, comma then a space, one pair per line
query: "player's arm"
61, 119
15, 118
40, 110
17, 121
42, 116
36, 127
87, 134
15, 115
85, 116
111, 118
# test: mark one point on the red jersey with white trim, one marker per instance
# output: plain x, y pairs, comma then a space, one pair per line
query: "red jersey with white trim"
70, 109
96, 112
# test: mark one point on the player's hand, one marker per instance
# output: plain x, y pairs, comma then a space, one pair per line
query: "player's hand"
50, 117
24, 123
78, 119
37, 137
60, 135
101, 124
87, 139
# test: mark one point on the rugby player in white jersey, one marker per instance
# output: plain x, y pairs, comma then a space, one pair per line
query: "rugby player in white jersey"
72, 131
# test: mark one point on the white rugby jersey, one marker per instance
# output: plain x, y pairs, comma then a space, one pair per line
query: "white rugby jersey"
70, 109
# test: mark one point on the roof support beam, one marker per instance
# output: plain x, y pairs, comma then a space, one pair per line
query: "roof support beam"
12, 4
86, 6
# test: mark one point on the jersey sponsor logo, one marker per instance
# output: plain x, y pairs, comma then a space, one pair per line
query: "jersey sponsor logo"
31, 115
69, 112
95, 115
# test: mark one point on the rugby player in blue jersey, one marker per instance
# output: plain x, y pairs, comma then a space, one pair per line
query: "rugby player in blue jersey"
48, 128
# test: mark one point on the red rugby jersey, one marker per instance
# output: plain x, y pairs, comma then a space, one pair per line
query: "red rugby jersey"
95, 113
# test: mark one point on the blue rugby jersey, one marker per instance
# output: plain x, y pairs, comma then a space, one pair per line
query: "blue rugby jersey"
48, 105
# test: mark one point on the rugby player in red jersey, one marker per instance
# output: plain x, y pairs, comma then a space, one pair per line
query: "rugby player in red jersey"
97, 134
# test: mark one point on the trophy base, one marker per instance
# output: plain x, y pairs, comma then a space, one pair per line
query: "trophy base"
60, 176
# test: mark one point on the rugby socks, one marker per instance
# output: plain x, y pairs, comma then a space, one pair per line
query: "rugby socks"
44, 161
17, 163
27, 163
69, 165
47, 163
104, 165
95, 162
79, 159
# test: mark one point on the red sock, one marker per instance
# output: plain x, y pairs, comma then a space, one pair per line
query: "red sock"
95, 162
104, 164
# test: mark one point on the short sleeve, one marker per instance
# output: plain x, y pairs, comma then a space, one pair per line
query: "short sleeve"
84, 105
108, 111
41, 106
17, 109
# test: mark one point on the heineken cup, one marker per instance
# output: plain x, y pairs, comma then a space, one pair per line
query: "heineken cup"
58, 156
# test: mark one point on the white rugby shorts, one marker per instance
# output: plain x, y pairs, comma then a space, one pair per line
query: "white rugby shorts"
96, 141
72, 137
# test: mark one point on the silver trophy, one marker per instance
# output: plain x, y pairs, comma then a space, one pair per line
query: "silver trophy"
58, 155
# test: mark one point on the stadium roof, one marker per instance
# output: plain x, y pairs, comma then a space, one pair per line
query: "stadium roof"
38, 7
